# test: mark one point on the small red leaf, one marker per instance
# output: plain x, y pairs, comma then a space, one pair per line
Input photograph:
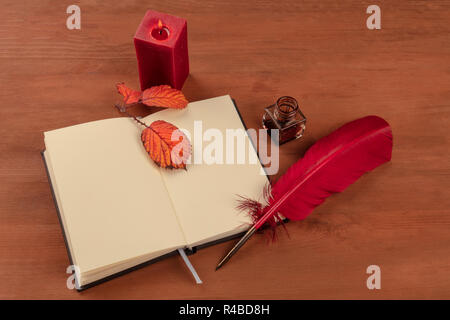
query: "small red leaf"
129, 95
166, 144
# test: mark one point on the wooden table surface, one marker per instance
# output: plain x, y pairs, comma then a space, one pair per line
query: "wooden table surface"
321, 52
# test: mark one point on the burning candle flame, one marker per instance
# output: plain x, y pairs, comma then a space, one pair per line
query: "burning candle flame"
160, 31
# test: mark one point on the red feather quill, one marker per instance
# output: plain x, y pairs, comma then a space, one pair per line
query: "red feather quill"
329, 166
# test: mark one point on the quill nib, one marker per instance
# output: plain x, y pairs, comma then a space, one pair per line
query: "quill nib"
237, 246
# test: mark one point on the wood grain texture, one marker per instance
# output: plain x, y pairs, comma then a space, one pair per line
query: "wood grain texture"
321, 52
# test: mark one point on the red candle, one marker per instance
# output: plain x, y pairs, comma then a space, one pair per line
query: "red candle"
161, 50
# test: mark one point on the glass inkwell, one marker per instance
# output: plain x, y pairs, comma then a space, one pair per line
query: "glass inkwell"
285, 116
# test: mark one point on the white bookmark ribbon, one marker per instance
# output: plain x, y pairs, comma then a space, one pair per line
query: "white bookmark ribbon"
190, 266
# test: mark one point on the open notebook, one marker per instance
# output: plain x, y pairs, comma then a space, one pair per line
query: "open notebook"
118, 210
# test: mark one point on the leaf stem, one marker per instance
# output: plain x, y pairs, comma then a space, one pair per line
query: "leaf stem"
123, 109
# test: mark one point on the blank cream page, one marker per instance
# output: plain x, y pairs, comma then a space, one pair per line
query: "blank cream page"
114, 202
205, 195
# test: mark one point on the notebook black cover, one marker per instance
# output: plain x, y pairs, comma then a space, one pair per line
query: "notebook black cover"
175, 252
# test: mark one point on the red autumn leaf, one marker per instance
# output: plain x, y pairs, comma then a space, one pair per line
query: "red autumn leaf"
158, 96
166, 144
129, 95
164, 96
